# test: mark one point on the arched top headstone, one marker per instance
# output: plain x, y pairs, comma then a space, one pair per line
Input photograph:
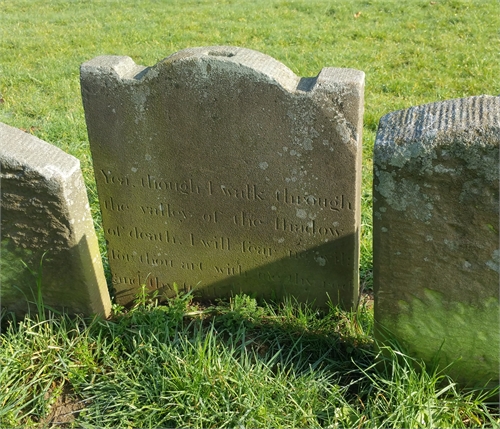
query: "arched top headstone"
221, 170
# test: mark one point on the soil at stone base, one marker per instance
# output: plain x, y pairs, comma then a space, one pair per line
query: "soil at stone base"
64, 411
366, 298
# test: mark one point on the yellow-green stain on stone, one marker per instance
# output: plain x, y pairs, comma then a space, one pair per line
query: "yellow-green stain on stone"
467, 337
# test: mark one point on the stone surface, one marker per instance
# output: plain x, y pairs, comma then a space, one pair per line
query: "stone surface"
45, 213
436, 233
221, 170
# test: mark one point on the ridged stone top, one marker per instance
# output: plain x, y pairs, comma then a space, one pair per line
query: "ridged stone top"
16, 145
413, 132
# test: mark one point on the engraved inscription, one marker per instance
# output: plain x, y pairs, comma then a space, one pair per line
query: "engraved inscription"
192, 266
218, 243
211, 217
248, 247
337, 258
310, 228
242, 219
250, 193
121, 256
155, 205
111, 205
292, 278
232, 174
109, 178
163, 236
153, 282
186, 187
229, 270
115, 231
155, 261
164, 210
246, 219
338, 203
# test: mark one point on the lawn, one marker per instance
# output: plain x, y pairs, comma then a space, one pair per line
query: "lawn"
235, 363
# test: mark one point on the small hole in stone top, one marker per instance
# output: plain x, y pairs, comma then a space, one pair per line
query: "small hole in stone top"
222, 53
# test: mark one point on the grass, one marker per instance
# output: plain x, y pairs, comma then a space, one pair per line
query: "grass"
412, 53
235, 363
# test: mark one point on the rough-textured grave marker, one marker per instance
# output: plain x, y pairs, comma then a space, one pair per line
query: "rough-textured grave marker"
45, 213
436, 233
221, 170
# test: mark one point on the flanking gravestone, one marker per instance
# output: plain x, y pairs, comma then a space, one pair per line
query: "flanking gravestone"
47, 233
436, 234
220, 170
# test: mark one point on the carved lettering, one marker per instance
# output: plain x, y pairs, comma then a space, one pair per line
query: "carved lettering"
311, 228
338, 258
298, 255
165, 237
248, 247
155, 283
292, 278
342, 258
211, 217
155, 261
115, 180
248, 193
121, 256
229, 269
219, 243
164, 210
246, 219
192, 266
338, 203
186, 187
113, 206
341, 286
126, 280
183, 286
115, 231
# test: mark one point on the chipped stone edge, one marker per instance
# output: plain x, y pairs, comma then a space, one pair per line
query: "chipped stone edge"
249, 62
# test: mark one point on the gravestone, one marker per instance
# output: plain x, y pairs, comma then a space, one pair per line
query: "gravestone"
436, 233
47, 233
220, 170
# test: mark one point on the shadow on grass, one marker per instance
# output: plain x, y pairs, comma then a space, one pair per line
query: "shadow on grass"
238, 363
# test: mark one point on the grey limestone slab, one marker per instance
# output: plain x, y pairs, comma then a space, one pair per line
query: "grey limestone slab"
220, 170
436, 233
47, 232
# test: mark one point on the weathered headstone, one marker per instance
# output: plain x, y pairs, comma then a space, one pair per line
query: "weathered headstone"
222, 171
436, 233
45, 214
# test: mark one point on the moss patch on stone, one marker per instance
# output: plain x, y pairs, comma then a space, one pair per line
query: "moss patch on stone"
464, 337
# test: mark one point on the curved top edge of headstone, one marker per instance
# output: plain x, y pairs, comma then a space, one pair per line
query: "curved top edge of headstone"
431, 123
246, 61
20, 149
